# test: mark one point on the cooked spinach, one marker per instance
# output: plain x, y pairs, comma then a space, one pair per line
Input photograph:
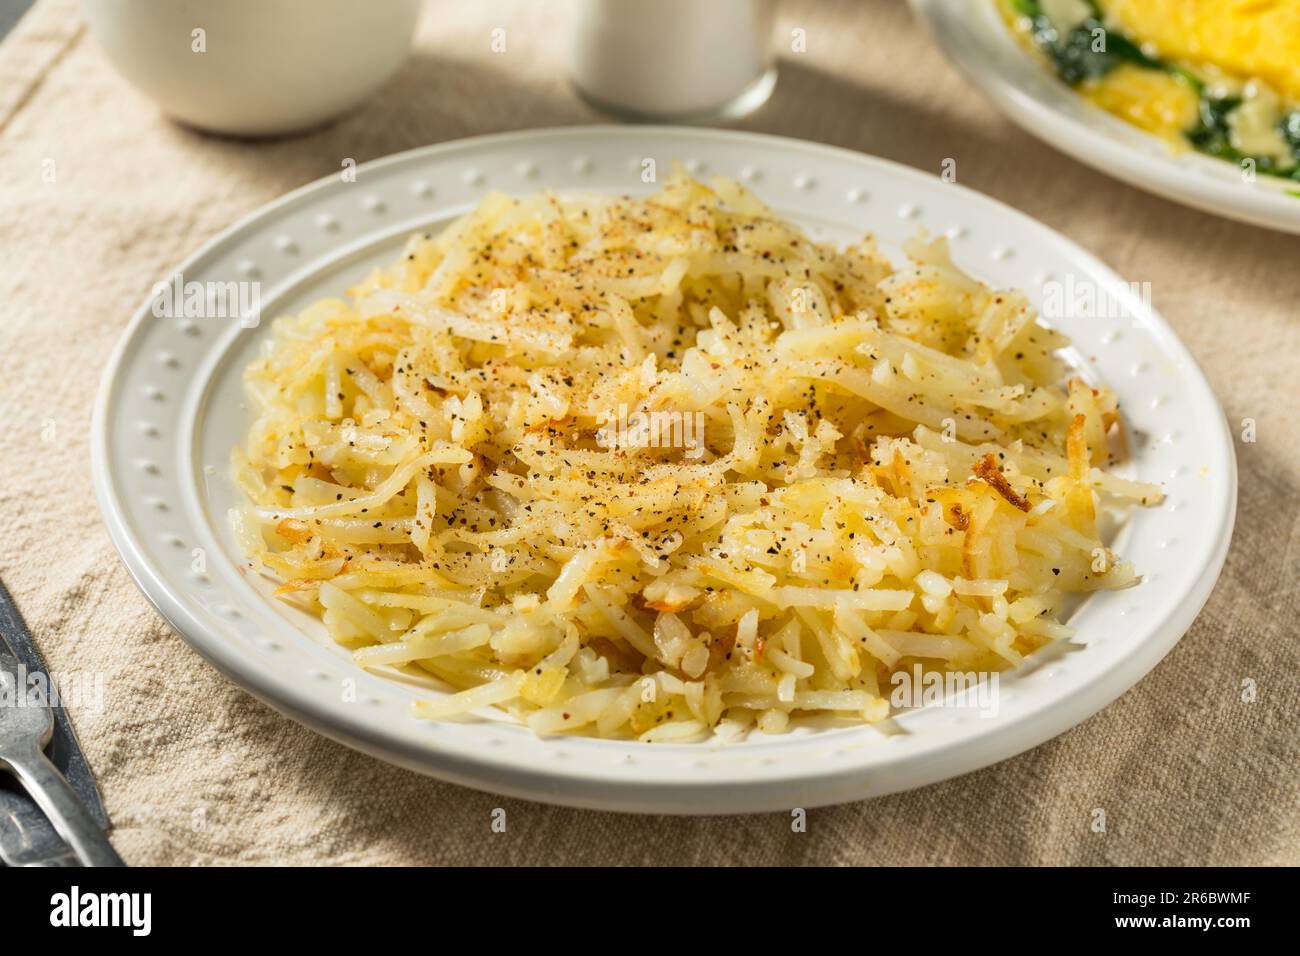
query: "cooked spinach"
1211, 132
1079, 55
1290, 127
1211, 135
1291, 130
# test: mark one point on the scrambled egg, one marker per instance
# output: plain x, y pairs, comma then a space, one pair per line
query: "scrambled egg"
1251, 39
1156, 102
1242, 48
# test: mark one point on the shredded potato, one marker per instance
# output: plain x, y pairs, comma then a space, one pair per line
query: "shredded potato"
659, 468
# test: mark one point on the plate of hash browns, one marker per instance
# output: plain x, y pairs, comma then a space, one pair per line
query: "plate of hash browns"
664, 470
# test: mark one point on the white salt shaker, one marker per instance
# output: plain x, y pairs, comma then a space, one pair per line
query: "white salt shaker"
675, 60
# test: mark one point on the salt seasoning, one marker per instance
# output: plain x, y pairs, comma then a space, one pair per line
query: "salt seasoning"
674, 59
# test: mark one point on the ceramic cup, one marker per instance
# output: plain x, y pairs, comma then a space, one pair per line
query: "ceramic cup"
254, 67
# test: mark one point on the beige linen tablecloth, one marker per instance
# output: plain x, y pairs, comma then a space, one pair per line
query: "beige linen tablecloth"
193, 770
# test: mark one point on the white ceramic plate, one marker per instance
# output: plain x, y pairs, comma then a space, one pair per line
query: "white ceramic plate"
974, 36
172, 407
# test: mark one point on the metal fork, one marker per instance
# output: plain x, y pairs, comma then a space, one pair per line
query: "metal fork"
25, 728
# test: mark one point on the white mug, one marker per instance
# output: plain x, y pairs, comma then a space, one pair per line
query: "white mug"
254, 67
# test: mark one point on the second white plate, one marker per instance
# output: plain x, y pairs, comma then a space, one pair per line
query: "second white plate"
975, 38
171, 409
